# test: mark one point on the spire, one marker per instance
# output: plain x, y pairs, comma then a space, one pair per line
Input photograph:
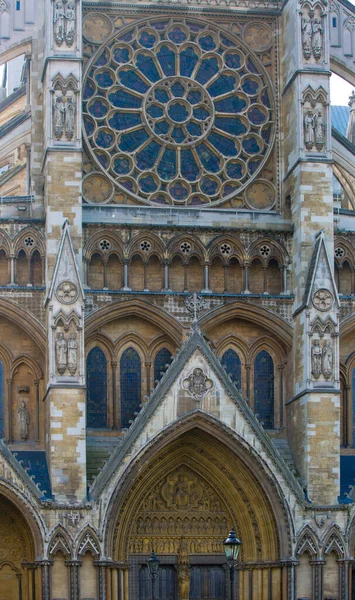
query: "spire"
350, 134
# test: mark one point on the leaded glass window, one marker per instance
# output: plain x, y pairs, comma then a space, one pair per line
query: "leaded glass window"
176, 111
162, 358
130, 374
96, 393
264, 389
2, 401
233, 366
207, 583
165, 585
353, 409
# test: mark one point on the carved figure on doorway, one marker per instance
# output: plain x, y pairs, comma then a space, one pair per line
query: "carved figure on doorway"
58, 20
316, 356
70, 110
70, 17
317, 41
198, 384
58, 116
72, 354
23, 420
327, 360
307, 36
184, 582
61, 348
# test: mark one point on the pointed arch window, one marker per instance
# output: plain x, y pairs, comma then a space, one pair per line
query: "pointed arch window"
233, 366
96, 393
162, 358
264, 389
2, 401
131, 385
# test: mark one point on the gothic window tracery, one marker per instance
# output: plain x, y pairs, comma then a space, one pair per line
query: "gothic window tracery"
177, 113
2, 400
264, 389
130, 385
162, 358
233, 366
96, 394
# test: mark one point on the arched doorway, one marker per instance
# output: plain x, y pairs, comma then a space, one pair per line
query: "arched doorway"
16, 553
182, 504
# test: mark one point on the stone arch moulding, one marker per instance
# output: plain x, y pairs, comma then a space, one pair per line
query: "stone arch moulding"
258, 509
60, 541
88, 541
28, 322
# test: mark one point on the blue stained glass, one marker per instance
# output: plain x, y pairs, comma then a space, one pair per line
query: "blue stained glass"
104, 139
264, 389
130, 385
195, 26
160, 25
147, 66
194, 129
265, 134
155, 111
229, 189
131, 141
223, 144
188, 60
226, 41
233, 104
162, 358
127, 36
265, 98
209, 160
146, 158
179, 191
162, 127
123, 99
250, 86
98, 109
235, 170
201, 113
2, 401
148, 184
194, 97
189, 168
178, 112
208, 68
353, 410
122, 121
166, 57
207, 42
251, 66
102, 60
178, 135
89, 126
167, 165
128, 184
231, 125
147, 39
209, 186
256, 116
177, 35
233, 366
251, 146
104, 79
232, 60
253, 165
121, 55
89, 90
102, 158
121, 165
222, 85
161, 96
177, 89
96, 390
131, 80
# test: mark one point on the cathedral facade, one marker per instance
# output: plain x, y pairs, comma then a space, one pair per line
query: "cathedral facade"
177, 299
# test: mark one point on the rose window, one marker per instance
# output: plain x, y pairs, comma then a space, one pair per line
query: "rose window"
177, 113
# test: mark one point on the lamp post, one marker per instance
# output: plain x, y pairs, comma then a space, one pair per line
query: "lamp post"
153, 566
231, 547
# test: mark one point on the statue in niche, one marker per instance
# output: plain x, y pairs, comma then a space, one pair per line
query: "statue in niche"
61, 348
327, 360
58, 116
23, 420
72, 354
316, 355
58, 20
319, 130
184, 582
317, 42
307, 36
70, 17
70, 110
314, 130
309, 130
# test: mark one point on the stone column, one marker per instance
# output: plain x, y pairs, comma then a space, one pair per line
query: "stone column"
288, 579
206, 289
126, 287
102, 566
246, 278
9, 410
45, 566
114, 394
73, 566
36, 382
317, 569
166, 276
12, 270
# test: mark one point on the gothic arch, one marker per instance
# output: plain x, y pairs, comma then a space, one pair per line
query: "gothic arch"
157, 247
333, 541
257, 508
25, 320
93, 245
19, 242
255, 250
237, 249
34, 368
196, 248
271, 346
60, 541
233, 342
129, 340
307, 542
88, 541
103, 342
5, 242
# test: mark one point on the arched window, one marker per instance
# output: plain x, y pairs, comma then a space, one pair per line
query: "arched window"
130, 371
353, 409
233, 366
2, 401
96, 393
162, 358
264, 389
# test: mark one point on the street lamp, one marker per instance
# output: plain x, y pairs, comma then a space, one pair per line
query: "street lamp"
231, 547
153, 566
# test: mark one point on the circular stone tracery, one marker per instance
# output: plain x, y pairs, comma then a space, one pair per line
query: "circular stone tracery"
178, 113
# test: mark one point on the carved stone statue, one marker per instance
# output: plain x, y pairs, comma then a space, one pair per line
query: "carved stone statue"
58, 20
198, 384
319, 130
58, 116
23, 420
307, 36
309, 130
317, 40
316, 357
70, 110
72, 354
70, 18
61, 348
327, 360
184, 582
